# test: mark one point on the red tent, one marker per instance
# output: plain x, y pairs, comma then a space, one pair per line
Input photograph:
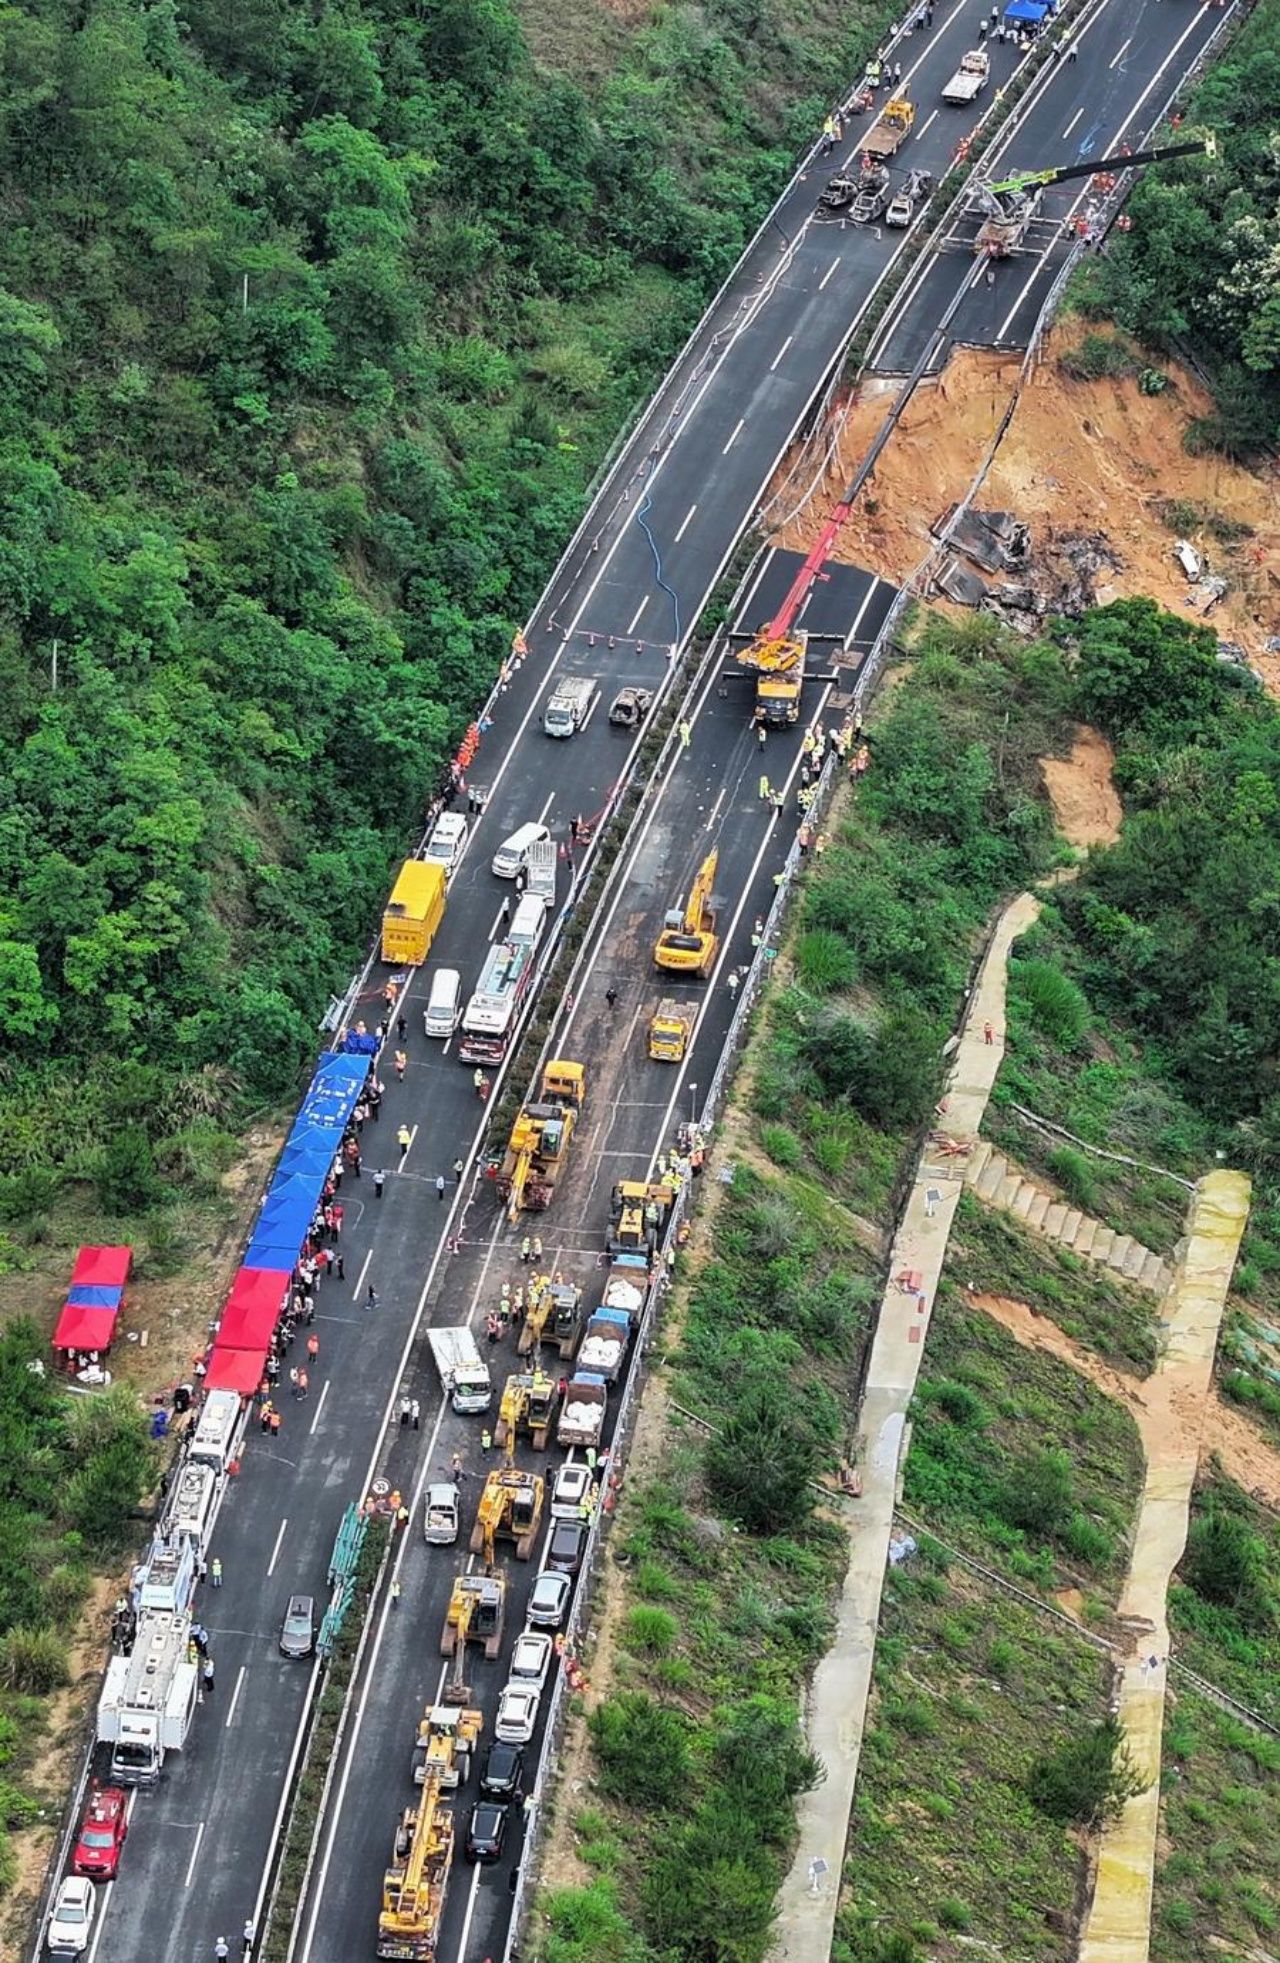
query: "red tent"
84, 1329
253, 1309
102, 1266
235, 1370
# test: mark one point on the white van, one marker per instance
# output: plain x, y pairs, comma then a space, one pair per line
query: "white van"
444, 1004
445, 845
216, 1431
512, 853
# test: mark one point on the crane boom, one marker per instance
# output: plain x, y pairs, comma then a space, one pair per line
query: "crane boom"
1205, 145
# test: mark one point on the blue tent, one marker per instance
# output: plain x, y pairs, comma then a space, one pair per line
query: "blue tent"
294, 1192
1026, 12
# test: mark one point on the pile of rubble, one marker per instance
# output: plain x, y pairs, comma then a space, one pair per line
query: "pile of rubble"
1056, 575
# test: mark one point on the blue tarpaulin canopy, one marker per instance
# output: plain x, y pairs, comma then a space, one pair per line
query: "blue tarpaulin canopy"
294, 1192
1027, 11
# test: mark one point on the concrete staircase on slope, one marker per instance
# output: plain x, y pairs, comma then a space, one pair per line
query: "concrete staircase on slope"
992, 1179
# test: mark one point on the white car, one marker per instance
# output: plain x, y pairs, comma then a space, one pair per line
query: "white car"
531, 1660
548, 1599
517, 1715
570, 1487
71, 1924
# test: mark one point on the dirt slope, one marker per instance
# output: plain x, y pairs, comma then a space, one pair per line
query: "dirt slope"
1078, 456
1086, 806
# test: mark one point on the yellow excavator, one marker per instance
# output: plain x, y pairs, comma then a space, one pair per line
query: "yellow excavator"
446, 1741
637, 1215
528, 1404
510, 1509
554, 1313
688, 941
539, 1143
778, 659
413, 1887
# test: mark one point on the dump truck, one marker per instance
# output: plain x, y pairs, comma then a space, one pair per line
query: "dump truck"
463, 1371
890, 130
554, 1315
688, 941
569, 708
476, 1611
445, 1744
510, 1508
626, 1285
637, 1215
413, 1887
778, 661
604, 1346
970, 78
671, 1030
413, 913
539, 1142
585, 1403
528, 1405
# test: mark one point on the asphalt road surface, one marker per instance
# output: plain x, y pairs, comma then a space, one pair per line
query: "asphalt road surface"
666, 520
633, 1110
1131, 56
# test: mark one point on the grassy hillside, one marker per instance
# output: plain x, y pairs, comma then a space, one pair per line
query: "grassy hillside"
316, 321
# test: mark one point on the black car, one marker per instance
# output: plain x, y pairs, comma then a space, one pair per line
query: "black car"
503, 1770
568, 1538
487, 1831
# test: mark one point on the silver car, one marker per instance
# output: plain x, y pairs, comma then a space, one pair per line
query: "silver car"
298, 1630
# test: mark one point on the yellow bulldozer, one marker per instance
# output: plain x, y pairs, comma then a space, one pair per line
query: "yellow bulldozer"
413, 1887
528, 1405
539, 1143
778, 659
637, 1215
510, 1509
445, 1745
553, 1316
688, 941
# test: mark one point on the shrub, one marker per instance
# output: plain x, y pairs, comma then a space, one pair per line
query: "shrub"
782, 1145
1226, 1562
33, 1661
825, 961
1053, 1003
1038, 1495
761, 1462
954, 1914
1074, 1174
651, 1631
1099, 357
1089, 1779
643, 1748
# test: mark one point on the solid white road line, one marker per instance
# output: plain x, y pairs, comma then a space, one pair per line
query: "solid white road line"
635, 618
324, 1392
822, 282
235, 1697
364, 1269
1120, 53
1074, 120
737, 428
927, 126
195, 1856
781, 351
275, 1552
687, 518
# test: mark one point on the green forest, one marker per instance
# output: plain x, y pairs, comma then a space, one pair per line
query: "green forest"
315, 325
1200, 268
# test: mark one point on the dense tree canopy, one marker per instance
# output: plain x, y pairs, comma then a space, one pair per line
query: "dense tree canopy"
313, 321
1201, 265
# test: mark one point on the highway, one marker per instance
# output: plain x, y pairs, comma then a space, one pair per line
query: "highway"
1131, 57
630, 589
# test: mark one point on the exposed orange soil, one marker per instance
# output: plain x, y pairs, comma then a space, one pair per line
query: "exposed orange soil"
1086, 807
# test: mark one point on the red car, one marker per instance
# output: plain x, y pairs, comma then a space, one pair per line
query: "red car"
102, 1834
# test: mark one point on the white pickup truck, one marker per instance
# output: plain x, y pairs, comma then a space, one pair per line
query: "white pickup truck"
970, 78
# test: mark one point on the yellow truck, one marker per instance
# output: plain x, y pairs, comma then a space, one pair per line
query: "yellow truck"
670, 1030
413, 913
778, 660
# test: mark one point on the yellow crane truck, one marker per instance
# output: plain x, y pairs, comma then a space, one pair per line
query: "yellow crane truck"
413, 1887
778, 660
445, 1744
688, 942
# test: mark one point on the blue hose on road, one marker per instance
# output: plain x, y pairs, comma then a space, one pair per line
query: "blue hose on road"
646, 504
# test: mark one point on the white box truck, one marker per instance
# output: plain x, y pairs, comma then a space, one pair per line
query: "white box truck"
463, 1371
148, 1699
569, 708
